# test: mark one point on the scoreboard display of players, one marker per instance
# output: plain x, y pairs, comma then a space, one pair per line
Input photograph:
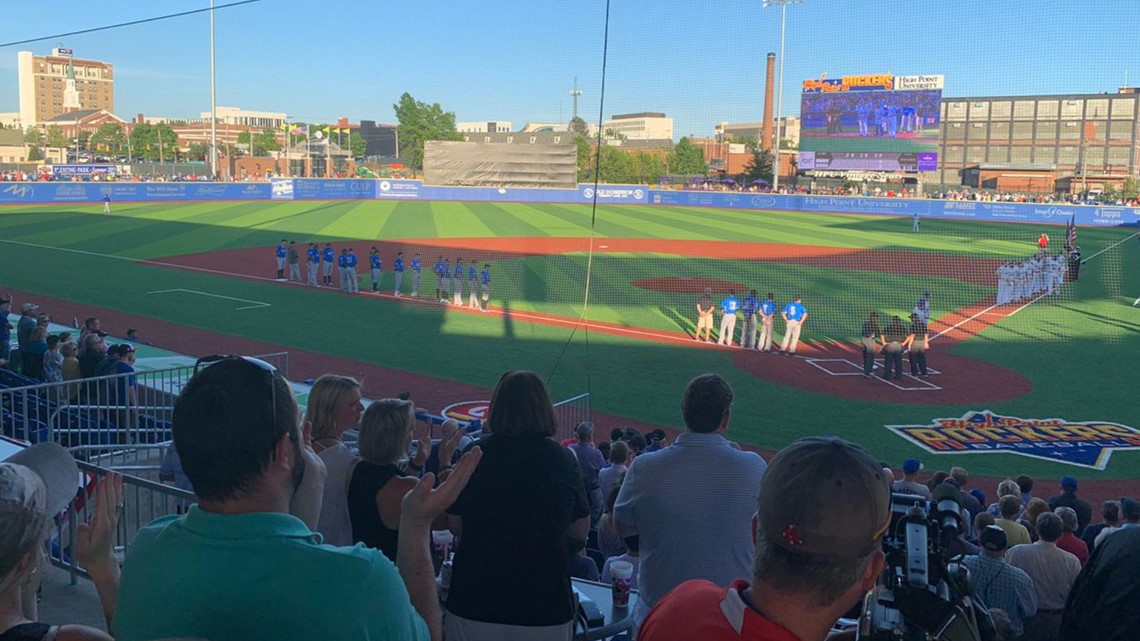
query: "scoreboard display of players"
878, 122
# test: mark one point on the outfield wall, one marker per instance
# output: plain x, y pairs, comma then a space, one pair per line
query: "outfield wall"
355, 189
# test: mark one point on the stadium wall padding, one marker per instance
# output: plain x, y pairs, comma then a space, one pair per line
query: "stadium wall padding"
355, 189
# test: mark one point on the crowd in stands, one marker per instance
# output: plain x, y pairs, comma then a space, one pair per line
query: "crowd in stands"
47, 176
299, 532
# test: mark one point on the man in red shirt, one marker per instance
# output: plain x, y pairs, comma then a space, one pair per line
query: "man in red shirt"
1043, 242
1069, 541
823, 507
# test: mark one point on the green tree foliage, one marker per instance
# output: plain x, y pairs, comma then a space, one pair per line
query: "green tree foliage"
33, 136
197, 151
264, 142
585, 157
618, 166
357, 143
34, 153
578, 126
56, 137
420, 122
687, 159
759, 167
154, 142
108, 139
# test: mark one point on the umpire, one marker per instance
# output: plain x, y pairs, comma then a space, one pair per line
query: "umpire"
870, 345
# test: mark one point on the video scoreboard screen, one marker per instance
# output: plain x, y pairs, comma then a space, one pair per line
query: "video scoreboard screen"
878, 122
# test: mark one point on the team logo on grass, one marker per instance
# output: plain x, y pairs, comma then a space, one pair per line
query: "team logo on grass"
467, 410
1084, 443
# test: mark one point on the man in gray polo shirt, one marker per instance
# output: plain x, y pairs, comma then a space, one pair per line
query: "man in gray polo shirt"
692, 503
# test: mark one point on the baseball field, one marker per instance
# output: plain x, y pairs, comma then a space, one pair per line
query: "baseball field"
604, 301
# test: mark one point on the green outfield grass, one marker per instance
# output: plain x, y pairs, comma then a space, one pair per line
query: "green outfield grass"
925, 141
1076, 348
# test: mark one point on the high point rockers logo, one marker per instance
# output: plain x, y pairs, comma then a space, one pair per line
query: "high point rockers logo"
467, 410
1086, 444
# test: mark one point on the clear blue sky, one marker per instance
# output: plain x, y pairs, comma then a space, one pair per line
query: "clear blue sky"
699, 62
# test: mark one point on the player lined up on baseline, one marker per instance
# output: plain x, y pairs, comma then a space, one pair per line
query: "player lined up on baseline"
1042, 272
754, 311
319, 264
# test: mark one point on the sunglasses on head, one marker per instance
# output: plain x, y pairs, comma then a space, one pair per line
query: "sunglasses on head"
261, 366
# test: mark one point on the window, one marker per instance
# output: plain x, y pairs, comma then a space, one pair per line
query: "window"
1068, 155
955, 111
979, 111
999, 131
1071, 130
1072, 109
1001, 110
510, 138
557, 139
1123, 108
976, 154
533, 139
1022, 130
1096, 108
1045, 154
998, 154
1020, 155
1120, 130
1047, 109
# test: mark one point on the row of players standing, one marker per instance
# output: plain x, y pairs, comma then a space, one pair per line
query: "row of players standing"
1042, 272
449, 280
793, 313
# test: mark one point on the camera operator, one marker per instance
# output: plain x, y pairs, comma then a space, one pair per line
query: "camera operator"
823, 508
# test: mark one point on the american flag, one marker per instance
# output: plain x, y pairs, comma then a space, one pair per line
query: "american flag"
1071, 239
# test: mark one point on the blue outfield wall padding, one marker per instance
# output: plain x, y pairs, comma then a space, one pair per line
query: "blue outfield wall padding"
358, 189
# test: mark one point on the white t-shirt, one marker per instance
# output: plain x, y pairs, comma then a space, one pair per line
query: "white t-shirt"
334, 524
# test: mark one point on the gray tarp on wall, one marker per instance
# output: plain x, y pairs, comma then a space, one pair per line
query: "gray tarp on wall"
491, 164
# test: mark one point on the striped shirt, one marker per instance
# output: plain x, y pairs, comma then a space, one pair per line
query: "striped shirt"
692, 506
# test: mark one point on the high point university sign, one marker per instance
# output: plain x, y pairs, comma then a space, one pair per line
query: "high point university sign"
1087, 444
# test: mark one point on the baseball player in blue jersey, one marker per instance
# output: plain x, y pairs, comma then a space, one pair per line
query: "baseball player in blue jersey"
457, 282
416, 266
374, 266
444, 280
342, 269
486, 276
473, 284
398, 271
106, 203
728, 308
312, 264
748, 309
794, 314
282, 251
329, 257
353, 278
437, 269
767, 318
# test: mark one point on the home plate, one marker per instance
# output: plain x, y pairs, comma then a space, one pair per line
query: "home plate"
603, 246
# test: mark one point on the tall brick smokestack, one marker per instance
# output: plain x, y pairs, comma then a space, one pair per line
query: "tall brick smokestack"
769, 92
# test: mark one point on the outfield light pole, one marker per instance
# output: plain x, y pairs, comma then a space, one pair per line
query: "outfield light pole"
783, 4
213, 102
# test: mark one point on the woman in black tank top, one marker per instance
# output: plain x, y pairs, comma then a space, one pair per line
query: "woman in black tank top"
378, 483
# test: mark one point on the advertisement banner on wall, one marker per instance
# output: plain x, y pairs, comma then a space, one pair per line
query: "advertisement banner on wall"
398, 189
281, 188
614, 193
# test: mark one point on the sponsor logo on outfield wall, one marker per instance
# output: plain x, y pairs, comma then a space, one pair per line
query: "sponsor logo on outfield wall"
1082, 443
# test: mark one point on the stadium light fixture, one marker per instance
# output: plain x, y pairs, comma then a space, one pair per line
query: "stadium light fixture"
783, 4
214, 102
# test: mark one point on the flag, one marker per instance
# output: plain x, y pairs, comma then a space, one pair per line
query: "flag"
1072, 237
283, 126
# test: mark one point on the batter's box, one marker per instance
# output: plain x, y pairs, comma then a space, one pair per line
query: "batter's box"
845, 367
837, 366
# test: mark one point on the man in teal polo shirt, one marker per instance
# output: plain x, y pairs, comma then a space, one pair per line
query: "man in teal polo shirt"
243, 564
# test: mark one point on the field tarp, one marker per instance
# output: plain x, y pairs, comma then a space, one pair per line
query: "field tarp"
491, 164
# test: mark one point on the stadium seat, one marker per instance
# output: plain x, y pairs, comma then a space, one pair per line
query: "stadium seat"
154, 430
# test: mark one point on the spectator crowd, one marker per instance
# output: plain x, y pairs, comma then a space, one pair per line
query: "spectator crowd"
300, 531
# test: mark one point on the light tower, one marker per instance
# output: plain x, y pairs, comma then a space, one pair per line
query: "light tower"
575, 93
783, 4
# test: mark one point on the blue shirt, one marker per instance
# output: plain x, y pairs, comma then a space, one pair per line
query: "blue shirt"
399, 264
486, 277
458, 270
440, 268
1001, 585
729, 305
768, 308
794, 311
471, 273
329, 254
750, 305
351, 262
342, 260
313, 254
281, 251
415, 265
374, 260
249, 577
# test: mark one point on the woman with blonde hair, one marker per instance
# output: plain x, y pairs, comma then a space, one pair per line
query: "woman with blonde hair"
334, 407
377, 483
1008, 487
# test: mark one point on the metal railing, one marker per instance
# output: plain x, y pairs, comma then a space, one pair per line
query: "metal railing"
110, 411
143, 501
570, 413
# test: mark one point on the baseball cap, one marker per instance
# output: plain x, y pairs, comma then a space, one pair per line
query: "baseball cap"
1069, 482
29, 307
993, 538
56, 469
911, 465
825, 496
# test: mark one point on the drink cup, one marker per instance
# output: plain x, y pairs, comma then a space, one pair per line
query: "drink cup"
622, 572
441, 541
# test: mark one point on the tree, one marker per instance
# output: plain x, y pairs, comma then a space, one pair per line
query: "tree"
687, 159
33, 136
197, 151
34, 153
56, 138
578, 126
108, 139
265, 141
357, 143
420, 122
750, 142
585, 157
154, 142
759, 167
